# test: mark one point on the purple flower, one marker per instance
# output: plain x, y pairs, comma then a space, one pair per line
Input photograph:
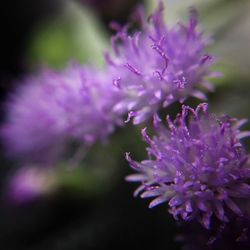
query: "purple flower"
30, 183
198, 165
159, 65
54, 108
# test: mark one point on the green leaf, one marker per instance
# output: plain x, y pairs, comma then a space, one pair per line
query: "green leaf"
75, 34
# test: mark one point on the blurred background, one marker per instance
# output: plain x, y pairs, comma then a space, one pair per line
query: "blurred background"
92, 207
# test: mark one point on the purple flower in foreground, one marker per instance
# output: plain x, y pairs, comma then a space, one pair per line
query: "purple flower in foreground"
55, 107
159, 65
198, 166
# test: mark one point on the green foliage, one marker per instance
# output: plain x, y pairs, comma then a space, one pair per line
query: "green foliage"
75, 34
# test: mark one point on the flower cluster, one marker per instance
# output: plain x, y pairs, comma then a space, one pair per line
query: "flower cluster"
54, 107
85, 104
198, 165
159, 65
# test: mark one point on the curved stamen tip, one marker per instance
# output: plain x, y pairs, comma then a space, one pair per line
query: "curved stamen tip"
132, 163
127, 156
145, 135
131, 114
202, 107
156, 120
116, 82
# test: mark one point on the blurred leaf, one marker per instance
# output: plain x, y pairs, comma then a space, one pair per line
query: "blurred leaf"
79, 181
76, 34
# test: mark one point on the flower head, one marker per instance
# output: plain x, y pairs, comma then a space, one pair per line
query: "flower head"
30, 183
198, 165
54, 107
159, 65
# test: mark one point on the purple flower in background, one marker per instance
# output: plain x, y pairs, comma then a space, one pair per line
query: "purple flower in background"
54, 108
198, 166
159, 65
30, 183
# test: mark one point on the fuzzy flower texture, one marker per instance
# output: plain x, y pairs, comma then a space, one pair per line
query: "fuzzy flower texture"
198, 165
56, 107
159, 65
